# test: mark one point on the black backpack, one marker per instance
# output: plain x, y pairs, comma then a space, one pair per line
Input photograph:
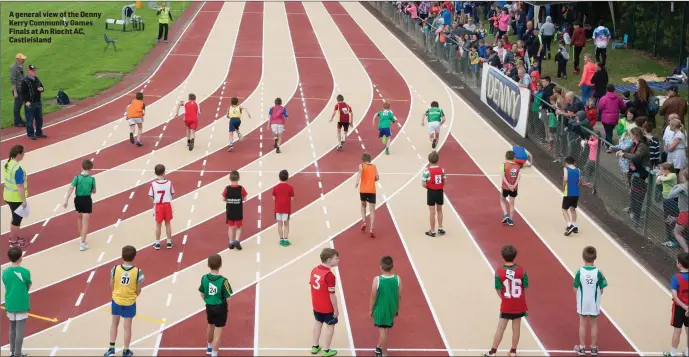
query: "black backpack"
62, 98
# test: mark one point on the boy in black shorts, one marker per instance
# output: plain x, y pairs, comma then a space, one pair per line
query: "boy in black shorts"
216, 292
433, 180
234, 196
85, 186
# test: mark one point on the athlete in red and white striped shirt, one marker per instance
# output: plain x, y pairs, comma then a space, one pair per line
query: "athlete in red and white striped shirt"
161, 192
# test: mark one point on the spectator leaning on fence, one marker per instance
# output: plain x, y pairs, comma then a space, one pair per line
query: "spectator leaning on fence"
16, 78
609, 108
33, 106
675, 143
674, 104
164, 18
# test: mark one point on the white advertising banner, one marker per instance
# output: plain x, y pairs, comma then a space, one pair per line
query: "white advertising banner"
507, 99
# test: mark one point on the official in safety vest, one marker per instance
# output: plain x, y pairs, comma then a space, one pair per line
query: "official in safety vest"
15, 191
164, 18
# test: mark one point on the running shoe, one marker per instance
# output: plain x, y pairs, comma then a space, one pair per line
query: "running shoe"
138, 143
341, 143
231, 244
230, 148
339, 147
575, 230
128, 353
505, 218
670, 244
191, 145
209, 351
441, 231
131, 138
373, 235
111, 352
510, 222
488, 354
315, 349
275, 144
156, 245
287, 243
379, 352
363, 227
435, 142
83, 247
569, 230
237, 245
594, 351
580, 350
329, 353
169, 245
277, 151
387, 151
430, 234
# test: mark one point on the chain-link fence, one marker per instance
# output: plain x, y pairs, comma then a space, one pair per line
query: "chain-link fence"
635, 199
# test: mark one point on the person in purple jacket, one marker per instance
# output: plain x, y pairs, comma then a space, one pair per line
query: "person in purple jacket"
609, 108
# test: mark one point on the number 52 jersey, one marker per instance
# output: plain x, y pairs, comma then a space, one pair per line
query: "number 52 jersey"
512, 281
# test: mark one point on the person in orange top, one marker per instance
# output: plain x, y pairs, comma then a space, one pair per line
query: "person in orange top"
511, 173
585, 82
135, 116
366, 182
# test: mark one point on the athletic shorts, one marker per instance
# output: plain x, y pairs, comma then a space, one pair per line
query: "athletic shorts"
216, 315
17, 316
570, 202
163, 212
435, 197
234, 124
384, 132
678, 318
16, 219
83, 204
433, 127
237, 224
683, 219
134, 121
501, 33
368, 197
384, 326
520, 162
283, 217
127, 312
506, 193
277, 128
326, 318
191, 124
510, 316
343, 125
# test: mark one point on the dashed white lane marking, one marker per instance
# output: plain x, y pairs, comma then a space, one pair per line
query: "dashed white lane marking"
34, 238
88, 281
69, 321
81, 296
100, 257
109, 239
169, 300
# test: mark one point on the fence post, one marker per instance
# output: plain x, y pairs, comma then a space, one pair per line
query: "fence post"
657, 29
682, 36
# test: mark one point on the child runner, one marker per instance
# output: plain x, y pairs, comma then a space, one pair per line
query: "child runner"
386, 294
135, 116
681, 191
433, 180
235, 115
510, 284
385, 119
570, 182
192, 110
85, 185
366, 182
344, 118
278, 114
216, 292
680, 301
324, 301
589, 283
161, 193
522, 157
234, 196
283, 194
125, 282
436, 118
511, 174
17, 281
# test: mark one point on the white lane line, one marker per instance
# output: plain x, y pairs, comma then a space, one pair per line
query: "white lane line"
169, 300
81, 296
109, 239
100, 257
34, 238
88, 281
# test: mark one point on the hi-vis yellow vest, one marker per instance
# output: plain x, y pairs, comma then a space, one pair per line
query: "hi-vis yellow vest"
124, 287
164, 17
11, 194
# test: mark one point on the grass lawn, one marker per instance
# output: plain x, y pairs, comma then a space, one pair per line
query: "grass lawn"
71, 61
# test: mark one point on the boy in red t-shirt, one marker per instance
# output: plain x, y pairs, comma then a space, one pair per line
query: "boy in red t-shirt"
323, 285
344, 119
510, 284
283, 194
192, 110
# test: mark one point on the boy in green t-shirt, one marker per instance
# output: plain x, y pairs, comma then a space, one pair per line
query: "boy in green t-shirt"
385, 301
17, 281
85, 186
668, 179
436, 118
216, 292
385, 119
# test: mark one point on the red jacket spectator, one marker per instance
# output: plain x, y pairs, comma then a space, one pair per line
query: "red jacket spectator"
592, 115
609, 107
579, 37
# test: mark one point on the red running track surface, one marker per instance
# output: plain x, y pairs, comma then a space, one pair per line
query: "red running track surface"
172, 72
551, 300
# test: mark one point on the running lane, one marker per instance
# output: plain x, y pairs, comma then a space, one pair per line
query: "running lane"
551, 301
247, 53
171, 73
242, 79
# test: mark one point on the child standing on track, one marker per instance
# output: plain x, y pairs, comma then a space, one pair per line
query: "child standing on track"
234, 196
385, 119
386, 294
216, 292
324, 301
366, 182
161, 193
283, 194
511, 173
570, 182
192, 110
680, 302
510, 284
589, 283
278, 114
436, 118
85, 185
433, 180
126, 281
135, 116
17, 281
344, 118
235, 115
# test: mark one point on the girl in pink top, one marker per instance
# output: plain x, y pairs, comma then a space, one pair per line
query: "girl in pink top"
590, 166
277, 113
411, 9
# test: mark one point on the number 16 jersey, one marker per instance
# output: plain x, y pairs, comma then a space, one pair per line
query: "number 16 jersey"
512, 281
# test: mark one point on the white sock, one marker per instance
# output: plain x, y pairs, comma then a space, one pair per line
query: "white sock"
673, 352
169, 240
569, 224
210, 345
214, 353
574, 224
